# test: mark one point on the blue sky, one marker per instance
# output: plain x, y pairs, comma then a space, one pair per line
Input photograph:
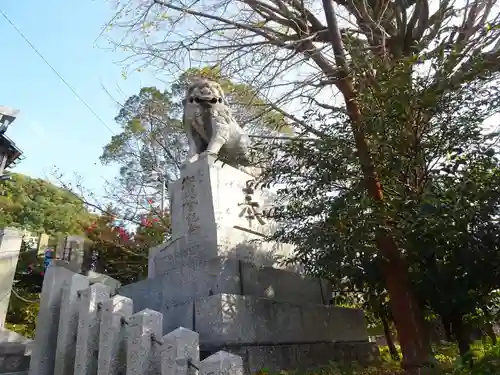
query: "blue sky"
54, 128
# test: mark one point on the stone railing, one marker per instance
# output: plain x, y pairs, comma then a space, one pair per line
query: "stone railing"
84, 329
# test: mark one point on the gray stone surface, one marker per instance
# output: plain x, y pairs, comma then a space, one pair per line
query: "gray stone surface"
7, 335
181, 315
143, 353
68, 324
283, 285
48, 319
87, 342
146, 294
10, 245
13, 357
112, 344
179, 349
211, 220
96, 277
222, 363
307, 356
233, 319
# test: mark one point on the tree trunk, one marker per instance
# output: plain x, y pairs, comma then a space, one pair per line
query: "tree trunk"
407, 313
488, 327
462, 335
447, 329
388, 337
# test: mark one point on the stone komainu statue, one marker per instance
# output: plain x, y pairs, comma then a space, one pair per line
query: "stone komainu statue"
211, 127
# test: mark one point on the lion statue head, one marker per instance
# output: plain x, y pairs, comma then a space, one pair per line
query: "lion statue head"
205, 93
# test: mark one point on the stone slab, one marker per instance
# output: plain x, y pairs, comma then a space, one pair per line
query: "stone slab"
303, 357
231, 276
225, 319
186, 251
283, 285
233, 319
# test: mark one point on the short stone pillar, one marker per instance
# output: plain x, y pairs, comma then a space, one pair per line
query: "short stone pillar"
10, 245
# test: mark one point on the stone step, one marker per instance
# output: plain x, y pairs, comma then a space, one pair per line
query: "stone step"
225, 319
299, 356
222, 275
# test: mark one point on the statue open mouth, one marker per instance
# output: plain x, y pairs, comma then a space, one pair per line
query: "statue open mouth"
205, 100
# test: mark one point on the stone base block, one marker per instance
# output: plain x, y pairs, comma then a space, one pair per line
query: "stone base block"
231, 276
300, 356
228, 319
235, 319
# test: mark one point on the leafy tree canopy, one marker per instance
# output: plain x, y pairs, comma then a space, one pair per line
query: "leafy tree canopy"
39, 206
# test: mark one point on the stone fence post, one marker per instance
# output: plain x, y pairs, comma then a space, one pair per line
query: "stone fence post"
48, 320
112, 344
143, 354
222, 363
10, 245
180, 352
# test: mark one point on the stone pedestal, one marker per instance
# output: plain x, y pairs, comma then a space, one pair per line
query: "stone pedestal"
214, 213
218, 277
10, 245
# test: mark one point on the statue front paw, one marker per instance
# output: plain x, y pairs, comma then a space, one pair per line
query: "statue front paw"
193, 158
189, 160
204, 154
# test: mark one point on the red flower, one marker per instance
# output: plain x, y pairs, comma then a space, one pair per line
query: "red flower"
42, 273
150, 201
146, 222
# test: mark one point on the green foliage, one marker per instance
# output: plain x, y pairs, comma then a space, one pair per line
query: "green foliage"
22, 315
41, 207
441, 181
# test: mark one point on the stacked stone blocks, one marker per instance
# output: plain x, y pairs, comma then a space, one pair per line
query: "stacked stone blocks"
219, 277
